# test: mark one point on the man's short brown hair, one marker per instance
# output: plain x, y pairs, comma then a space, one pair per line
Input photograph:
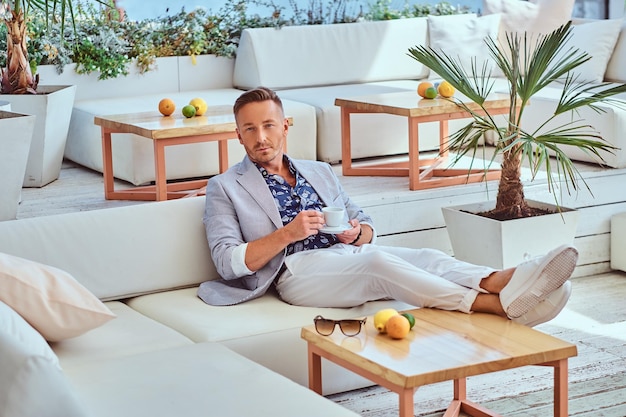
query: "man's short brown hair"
256, 95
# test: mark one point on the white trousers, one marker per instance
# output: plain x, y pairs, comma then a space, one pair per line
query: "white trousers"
348, 276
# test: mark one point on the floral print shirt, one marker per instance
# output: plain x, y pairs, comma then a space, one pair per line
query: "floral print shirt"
291, 200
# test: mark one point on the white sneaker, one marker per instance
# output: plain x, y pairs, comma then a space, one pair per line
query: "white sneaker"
548, 308
534, 280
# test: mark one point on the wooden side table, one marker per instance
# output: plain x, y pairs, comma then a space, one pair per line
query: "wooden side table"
216, 125
442, 346
422, 173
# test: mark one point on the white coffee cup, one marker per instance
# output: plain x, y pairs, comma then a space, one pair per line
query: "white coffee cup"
333, 216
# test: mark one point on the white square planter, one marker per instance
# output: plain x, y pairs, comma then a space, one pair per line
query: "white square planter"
53, 109
504, 244
16, 132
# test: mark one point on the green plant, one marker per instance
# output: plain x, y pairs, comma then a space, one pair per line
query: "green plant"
528, 67
17, 77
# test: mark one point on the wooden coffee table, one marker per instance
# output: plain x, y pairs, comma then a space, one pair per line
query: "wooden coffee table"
442, 346
423, 173
216, 125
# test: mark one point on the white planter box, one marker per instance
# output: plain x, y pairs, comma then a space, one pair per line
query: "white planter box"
172, 74
16, 132
53, 108
504, 244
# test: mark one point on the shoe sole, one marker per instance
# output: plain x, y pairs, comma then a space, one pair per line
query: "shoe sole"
559, 305
559, 269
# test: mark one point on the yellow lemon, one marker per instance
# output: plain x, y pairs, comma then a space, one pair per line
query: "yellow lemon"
167, 106
200, 106
381, 317
431, 92
397, 327
189, 111
421, 88
445, 89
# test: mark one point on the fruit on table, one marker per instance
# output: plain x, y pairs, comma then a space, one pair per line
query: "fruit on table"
410, 318
398, 326
422, 87
189, 111
200, 105
431, 92
167, 106
445, 89
381, 317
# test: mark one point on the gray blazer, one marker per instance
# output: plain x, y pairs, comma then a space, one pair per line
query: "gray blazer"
240, 208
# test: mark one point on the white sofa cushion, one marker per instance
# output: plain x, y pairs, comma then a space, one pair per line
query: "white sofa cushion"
130, 334
50, 299
316, 55
598, 39
112, 264
462, 37
615, 70
14, 325
266, 329
197, 380
31, 384
534, 17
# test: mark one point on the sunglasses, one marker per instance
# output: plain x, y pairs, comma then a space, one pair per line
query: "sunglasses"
326, 327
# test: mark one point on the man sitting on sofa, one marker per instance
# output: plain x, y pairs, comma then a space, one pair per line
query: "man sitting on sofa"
263, 219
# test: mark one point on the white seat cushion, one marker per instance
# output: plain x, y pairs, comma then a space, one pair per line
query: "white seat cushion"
129, 334
198, 380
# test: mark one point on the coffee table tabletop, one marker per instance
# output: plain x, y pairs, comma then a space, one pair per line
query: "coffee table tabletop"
442, 346
153, 125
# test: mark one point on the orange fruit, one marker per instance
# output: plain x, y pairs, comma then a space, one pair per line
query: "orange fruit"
421, 88
398, 327
431, 92
445, 89
167, 106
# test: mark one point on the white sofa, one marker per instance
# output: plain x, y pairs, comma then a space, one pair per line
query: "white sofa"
319, 64
167, 352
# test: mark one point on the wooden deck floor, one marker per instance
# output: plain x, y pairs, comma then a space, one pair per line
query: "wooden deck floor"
595, 318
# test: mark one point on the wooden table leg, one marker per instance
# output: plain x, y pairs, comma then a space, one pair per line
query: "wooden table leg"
222, 147
315, 370
346, 146
560, 388
414, 154
407, 405
160, 180
107, 164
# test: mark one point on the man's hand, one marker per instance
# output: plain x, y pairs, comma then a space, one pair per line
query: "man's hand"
306, 223
350, 235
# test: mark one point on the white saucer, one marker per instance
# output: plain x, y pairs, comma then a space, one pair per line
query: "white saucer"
335, 230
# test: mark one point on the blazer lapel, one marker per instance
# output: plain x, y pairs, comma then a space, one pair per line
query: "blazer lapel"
252, 181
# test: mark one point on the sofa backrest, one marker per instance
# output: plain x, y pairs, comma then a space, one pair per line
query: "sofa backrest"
119, 252
315, 55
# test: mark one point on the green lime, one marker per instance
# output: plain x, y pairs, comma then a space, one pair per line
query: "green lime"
410, 318
189, 111
431, 92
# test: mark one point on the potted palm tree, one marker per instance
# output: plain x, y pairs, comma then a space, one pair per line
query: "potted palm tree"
52, 105
528, 67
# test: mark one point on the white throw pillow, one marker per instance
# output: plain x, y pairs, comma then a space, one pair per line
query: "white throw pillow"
31, 384
462, 37
15, 326
542, 16
49, 299
598, 39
